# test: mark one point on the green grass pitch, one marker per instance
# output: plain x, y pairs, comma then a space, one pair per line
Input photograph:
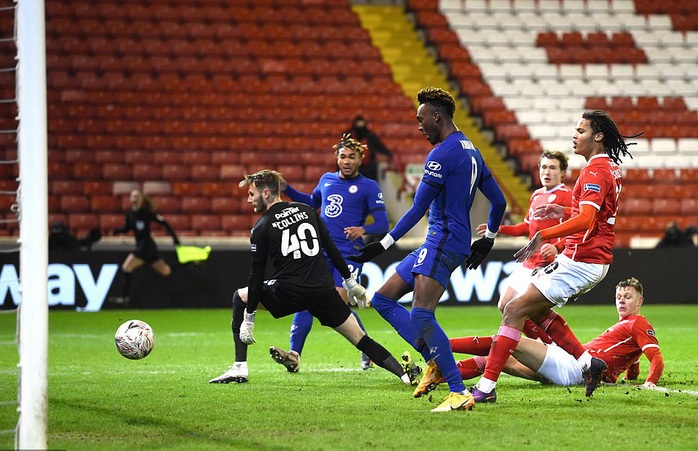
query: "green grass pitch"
100, 400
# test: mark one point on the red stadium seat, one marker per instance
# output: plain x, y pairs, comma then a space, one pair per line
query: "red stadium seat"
662, 206
196, 205
225, 205
664, 175
146, 171
105, 204
636, 175
239, 223
205, 223
58, 187
80, 224
182, 188
635, 207
175, 172
689, 206
116, 171
167, 205
74, 204
108, 222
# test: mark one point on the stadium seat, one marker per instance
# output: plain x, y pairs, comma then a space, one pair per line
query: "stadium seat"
74, 204
81, 224
196, 205
203, 224
225, 205
635, 207
166, 204
663, 206
59, 187
108, 222
105, 204
689, 206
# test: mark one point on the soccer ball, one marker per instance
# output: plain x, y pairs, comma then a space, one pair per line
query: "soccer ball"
134, 339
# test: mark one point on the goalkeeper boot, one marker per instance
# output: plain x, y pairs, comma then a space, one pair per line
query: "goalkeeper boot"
366, 362
430, 380
411, 369
236, 373
291, 360
593, 375
456, 401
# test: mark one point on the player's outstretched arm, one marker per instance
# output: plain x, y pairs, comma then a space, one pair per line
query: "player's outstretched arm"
530, 248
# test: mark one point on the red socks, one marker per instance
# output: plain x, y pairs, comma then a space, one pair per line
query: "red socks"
472, 345
472, 367
505, 342
561, 334
532, 331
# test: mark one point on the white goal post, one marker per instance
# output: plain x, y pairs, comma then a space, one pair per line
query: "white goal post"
33, 225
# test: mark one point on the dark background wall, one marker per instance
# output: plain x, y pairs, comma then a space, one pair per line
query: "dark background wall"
85, 280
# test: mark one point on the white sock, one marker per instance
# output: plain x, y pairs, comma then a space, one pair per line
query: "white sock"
485, 385
406, 379
584, 360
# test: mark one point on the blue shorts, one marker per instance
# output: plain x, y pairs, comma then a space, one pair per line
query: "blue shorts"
354, 269
431, 261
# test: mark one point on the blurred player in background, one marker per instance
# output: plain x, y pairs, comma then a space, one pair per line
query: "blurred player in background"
453, 172
293, 237
138, 219
345, 199
584, 262
551, 169
620, 347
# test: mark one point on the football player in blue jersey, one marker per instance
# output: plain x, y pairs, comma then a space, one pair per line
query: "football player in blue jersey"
453, 172
345, 199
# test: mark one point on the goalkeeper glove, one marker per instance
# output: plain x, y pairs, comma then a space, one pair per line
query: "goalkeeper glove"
356, 293
247, 328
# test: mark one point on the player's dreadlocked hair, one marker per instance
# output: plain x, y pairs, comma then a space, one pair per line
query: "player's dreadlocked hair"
347, 142
556, 155
266, 178
437, 98
632, 282
613, 142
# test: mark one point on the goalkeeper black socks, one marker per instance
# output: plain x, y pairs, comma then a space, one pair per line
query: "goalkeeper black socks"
379, 355
238, 311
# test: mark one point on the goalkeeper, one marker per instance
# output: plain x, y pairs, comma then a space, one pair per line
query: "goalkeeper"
293, 237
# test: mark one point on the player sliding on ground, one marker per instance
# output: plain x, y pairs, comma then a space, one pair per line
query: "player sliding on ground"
583, 264
620, 347
293, 237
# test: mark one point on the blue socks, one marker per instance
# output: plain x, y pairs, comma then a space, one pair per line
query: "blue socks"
302, 323
425, 322
399, 317
300, 328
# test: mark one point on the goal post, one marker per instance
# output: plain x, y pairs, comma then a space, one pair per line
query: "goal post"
33, 225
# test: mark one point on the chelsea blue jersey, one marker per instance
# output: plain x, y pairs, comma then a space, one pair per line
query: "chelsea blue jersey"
346, 203
457, 169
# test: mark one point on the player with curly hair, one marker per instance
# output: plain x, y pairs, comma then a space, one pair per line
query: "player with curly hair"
584, 263
293, 237
551, 169
346, 199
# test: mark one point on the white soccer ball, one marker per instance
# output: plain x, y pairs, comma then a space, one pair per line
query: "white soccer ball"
134, 339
